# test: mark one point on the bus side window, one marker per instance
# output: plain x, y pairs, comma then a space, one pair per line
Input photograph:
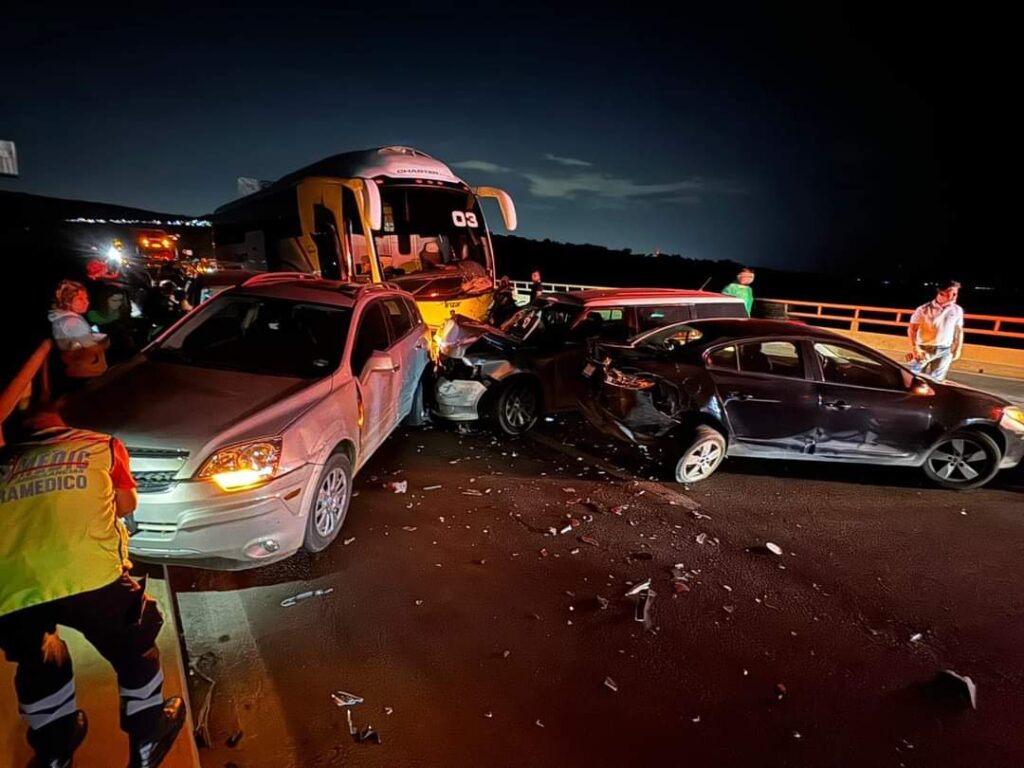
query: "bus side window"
357, 253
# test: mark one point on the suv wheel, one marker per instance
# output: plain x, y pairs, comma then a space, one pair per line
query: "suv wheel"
330, 502
701, 456
964, 459
517, 406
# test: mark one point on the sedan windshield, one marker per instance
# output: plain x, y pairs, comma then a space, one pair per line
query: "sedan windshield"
535, 322
255, 334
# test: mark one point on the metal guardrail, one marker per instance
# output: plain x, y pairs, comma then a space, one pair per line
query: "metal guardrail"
854, 317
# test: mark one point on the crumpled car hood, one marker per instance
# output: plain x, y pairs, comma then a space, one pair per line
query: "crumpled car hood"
460, 334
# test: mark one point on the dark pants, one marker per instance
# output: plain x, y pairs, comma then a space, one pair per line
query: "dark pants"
120, 621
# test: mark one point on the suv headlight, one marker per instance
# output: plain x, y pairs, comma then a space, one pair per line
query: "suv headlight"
244, 465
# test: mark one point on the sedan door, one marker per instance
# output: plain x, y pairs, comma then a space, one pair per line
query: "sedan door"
868, 410
769, 404
377, 386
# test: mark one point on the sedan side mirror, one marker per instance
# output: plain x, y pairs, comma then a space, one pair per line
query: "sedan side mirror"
921, 388
381, 362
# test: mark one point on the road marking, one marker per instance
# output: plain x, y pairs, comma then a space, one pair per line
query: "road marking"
649, 486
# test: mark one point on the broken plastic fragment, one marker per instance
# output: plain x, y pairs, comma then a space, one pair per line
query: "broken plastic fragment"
288, 602
346, 542
775, 549
611, 685
398, 487
590, 540
344, 699
700, 538
432, 487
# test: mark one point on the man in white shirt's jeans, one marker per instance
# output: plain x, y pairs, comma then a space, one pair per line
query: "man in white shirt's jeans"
937, 333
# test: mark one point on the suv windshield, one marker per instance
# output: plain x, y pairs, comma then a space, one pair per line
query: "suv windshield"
433, 241
255, 334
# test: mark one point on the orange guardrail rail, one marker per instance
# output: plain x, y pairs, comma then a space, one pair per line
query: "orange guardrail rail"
856, 316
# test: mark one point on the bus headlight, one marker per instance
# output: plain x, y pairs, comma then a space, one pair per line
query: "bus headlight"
242, 466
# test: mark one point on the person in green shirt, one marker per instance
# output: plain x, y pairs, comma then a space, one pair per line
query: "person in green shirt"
741, 288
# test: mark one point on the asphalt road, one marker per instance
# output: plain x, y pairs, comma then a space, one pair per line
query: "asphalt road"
478, 638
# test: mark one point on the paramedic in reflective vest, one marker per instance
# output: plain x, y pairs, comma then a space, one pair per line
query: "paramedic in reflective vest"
63, 560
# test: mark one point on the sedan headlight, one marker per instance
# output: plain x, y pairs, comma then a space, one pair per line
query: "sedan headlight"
244, 465
1013, 418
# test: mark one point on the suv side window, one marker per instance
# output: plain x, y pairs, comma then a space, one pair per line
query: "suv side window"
606, 323
843, 365
398, 316
649, 318
371, 336
779, 358
415, 318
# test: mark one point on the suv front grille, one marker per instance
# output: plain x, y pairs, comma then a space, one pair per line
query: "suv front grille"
153, 482
156, 453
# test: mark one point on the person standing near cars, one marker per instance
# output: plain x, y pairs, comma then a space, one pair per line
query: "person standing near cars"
536, 286
82, 350
936, 333
64, 560
741, 288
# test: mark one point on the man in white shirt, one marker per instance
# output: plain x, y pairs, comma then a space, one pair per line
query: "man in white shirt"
937, 333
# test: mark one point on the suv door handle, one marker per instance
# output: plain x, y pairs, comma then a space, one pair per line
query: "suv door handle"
836, 405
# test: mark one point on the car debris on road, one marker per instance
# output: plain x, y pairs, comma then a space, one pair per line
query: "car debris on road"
288, 602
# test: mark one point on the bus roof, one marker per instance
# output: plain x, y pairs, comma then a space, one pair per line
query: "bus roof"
394, 162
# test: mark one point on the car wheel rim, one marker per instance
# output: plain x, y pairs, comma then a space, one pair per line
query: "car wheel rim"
519, 407
330, 500
700, 461
959, 460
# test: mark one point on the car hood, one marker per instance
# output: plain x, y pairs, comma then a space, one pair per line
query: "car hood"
149, 404
460, 335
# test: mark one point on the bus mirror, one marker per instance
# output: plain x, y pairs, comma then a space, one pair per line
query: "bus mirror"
508, 208
371, 194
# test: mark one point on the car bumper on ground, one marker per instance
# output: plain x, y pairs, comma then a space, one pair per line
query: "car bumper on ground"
458, 399
196, 523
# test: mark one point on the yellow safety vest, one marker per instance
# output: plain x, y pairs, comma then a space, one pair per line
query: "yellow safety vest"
59, 535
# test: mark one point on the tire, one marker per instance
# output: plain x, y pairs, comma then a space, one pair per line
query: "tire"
701, 457
517, 407
326, 515
965, 459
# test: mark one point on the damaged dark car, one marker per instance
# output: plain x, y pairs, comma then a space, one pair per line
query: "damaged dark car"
702, 391
530, 366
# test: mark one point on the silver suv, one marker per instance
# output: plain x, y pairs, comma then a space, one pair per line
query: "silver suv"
246, 420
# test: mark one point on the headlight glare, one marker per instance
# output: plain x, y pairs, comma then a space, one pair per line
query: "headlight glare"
244, 465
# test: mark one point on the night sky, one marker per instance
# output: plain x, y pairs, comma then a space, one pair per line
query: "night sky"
810, 138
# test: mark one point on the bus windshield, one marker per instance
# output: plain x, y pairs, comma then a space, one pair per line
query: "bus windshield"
433, 241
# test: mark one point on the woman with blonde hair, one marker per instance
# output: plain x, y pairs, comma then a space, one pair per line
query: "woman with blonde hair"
81, 349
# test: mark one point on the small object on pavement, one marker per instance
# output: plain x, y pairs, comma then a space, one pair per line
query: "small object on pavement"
398, 486
569, 490
388, 710
590, 540
409, 528
539, 724
968, 688
775, 549
346, 542
233, 739
916, 637
432, 487
368, 734
641, 587
566, 529
472, 492
618, 510
643, 608
780, 691
488, 714
603, 602
611, 685
288, 602
700, 538
345, 699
